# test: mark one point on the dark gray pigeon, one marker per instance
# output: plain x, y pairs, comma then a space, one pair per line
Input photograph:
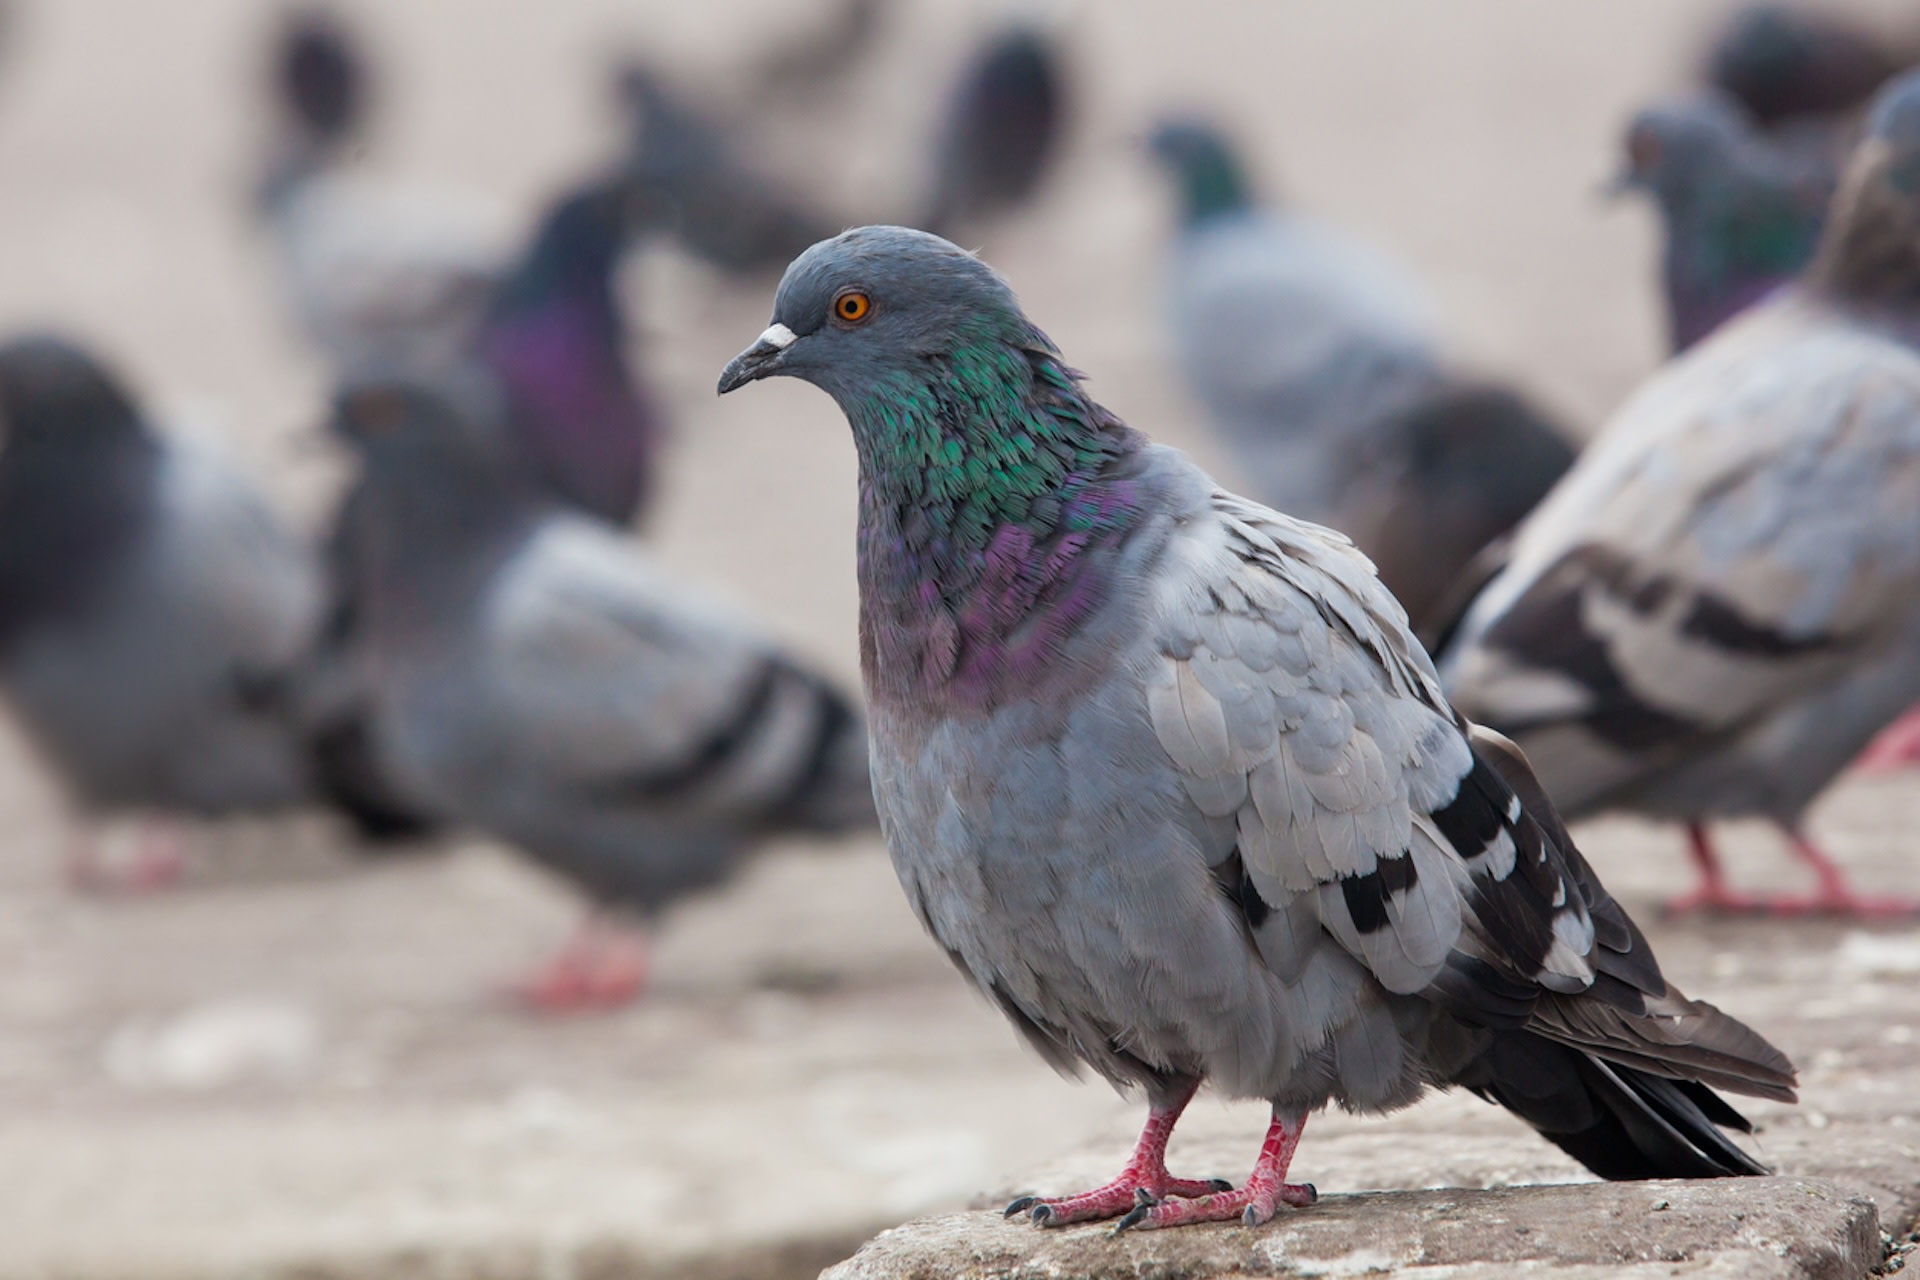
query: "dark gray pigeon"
1740, 212
536, 675
153, 617
1720, 605
1002, 126
1315, 363
1170, 780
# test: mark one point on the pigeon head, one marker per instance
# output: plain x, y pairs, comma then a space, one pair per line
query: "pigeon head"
1676, 149
578, 241
415, 424
320, 76
1741, 217
53, 395
1871, 251
1202, 163
875, 313
986, 474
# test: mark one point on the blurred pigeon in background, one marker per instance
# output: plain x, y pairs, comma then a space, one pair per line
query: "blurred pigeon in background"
1786, 64
1168, 777
1003, 124
585, 432
538, 677
1315, 362
153, 617
701, 191
1720, 606
371, 268
1740, 213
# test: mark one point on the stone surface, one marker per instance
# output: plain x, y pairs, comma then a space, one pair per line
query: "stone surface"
1755, 1227
297, 1065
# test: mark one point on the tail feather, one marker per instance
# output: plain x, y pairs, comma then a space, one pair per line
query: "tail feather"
1620, 1122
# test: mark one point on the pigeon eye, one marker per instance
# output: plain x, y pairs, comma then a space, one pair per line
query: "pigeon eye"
853, 306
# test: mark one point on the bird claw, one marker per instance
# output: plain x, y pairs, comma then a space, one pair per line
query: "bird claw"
1020, 1206
1251, 1206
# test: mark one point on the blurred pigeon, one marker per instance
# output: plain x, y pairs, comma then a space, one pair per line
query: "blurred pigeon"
538, 677
1720, 605
1316, 364
1741, 214
372, 269
1002, 125
586, 432
1785, 63
1168, 777
152, 615
701, 192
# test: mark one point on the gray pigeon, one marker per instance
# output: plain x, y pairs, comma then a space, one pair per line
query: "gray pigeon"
1741, 213
153, 617
1316, 364
1170, 780
1000, 129
534, 674
1720, 605
371, 267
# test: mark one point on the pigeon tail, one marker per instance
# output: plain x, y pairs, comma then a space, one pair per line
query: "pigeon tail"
1621, 1122
831, 790
350, 777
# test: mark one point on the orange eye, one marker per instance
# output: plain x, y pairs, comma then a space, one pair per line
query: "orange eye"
853, 306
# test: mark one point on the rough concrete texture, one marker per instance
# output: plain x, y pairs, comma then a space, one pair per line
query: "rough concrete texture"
1765, 1228
297, 1064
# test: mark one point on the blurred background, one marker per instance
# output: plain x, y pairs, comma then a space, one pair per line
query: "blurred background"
299, 1058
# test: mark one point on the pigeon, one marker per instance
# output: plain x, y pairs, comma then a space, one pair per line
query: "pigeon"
153, 617
1785, 63
1315, 363
1166, 774
1720, 605
703, 194
371, 268
1001, 128
1741, 213
586, 431
536, 676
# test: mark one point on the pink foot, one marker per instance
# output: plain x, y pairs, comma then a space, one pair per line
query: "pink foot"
1131, 1188
1715, 899
602, 967
1840, 903
157, 863
1252, 1204
1145, 1178
1896, 747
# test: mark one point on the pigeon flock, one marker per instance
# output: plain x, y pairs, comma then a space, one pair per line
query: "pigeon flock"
1269, 792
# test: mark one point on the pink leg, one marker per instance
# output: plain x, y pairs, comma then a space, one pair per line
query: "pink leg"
157, 862
602, 966
1834, 897
1266, 1190
1145, 1175
1896, 747
1713, 892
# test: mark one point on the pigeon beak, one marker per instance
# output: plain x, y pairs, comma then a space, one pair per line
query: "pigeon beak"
1623, 183
761, 360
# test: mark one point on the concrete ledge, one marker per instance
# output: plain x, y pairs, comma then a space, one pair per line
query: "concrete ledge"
1748, 1227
